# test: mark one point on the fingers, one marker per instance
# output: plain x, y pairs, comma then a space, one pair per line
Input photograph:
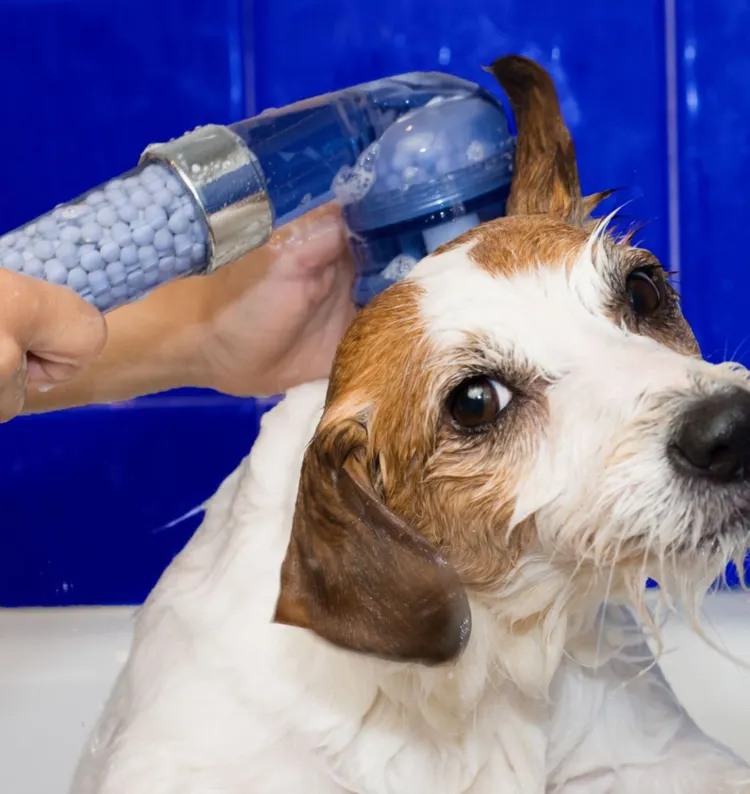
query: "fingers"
312, 240
52, 322
12, 378
47, 335
321, 219
299, 253
40, 372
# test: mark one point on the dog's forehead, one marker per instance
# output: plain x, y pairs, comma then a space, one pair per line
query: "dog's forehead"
527, 285
525, 282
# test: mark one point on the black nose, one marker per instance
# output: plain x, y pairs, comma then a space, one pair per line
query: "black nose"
713, 440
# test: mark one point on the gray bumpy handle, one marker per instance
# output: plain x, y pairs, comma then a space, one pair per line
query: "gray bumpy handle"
116, 242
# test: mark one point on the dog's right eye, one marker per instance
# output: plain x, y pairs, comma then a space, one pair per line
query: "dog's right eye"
478, 402
645, 288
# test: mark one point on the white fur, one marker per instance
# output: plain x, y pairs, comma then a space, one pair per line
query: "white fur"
217, 699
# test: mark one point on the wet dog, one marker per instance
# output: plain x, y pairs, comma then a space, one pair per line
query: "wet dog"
424, 577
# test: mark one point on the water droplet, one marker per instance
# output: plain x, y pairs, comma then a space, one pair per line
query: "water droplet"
475, 152
399, 267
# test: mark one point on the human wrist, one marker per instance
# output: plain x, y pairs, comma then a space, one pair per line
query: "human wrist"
153, 345
159, 342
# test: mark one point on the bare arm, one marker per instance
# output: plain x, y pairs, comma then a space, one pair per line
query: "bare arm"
150, 347
258, 326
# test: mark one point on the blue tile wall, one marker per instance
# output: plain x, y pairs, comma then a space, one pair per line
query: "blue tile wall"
86, 85
713, 73
607, 60
91, 499
656, 92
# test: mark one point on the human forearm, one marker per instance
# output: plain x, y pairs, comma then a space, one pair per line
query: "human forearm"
258, 326
151, 347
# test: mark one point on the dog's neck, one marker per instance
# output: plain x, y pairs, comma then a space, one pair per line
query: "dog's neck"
519, 638
521, 630
500, 693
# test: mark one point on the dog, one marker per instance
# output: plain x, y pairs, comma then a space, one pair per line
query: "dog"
428, 575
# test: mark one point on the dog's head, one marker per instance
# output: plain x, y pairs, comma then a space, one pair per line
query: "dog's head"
531, 392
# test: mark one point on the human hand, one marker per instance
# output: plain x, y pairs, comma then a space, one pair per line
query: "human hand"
47, 335
276, 316
256, 327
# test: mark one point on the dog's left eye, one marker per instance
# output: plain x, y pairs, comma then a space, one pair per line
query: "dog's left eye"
478, 402
645, 292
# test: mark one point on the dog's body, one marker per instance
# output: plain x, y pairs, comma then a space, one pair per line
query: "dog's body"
512, 439
217, 698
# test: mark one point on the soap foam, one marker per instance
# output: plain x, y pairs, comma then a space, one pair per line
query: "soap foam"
353, 184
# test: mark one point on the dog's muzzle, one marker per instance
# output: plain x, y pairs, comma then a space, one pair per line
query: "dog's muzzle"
712, 439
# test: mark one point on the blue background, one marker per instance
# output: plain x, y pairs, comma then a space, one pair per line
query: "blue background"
656, 93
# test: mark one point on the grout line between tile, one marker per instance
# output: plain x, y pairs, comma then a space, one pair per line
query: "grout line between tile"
673, 141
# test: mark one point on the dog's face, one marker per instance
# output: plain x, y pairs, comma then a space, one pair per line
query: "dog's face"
531, 391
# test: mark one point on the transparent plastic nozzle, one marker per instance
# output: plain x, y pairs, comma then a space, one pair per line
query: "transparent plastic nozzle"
205, 199
434, 174
302, 148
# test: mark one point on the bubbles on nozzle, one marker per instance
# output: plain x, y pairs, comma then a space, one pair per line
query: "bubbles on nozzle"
475, 152
353, 184
399, 267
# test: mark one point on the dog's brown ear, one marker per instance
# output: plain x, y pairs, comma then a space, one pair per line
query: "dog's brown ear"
356, 574
545, 179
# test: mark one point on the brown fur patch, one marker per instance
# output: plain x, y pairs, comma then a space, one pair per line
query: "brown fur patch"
515, 244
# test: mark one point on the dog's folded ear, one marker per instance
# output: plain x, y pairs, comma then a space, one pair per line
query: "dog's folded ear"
355, 573
545, 177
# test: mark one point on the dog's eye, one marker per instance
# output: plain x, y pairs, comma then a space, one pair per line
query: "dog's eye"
478, 402
645, 292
